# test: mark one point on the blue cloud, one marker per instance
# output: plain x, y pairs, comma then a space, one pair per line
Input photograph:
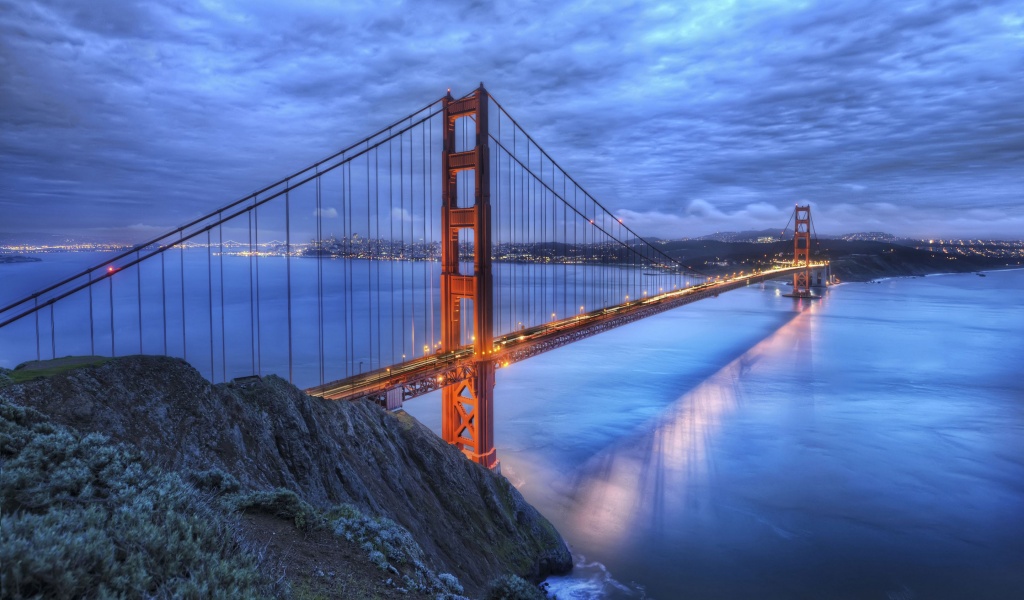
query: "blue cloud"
120, 113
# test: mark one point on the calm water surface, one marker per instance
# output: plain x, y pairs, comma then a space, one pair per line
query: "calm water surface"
868, 445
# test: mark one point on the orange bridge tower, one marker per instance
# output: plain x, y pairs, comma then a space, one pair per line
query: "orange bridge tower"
467, 409
802, 251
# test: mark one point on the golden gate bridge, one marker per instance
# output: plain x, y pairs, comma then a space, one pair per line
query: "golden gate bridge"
444, 246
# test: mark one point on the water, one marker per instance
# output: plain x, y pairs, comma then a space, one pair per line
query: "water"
374, 314
867, 445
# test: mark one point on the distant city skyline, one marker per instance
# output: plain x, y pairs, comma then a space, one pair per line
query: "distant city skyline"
121, 121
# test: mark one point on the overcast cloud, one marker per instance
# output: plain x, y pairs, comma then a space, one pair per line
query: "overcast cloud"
683, 117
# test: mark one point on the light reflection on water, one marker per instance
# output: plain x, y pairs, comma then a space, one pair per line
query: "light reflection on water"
643, 479
869, 446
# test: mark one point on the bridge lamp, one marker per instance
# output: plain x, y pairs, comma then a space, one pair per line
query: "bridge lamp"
552, 315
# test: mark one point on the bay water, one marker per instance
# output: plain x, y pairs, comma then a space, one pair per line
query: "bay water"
869, 444
866, 445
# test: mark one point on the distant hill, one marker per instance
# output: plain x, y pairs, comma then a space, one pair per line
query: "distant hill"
852, 260
760, 235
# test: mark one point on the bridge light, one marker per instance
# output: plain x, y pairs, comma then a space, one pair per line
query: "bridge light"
110, 269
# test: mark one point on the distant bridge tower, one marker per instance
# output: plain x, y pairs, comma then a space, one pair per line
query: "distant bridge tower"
467, 419
802, 250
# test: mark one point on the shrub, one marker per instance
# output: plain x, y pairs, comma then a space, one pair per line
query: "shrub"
513, 587
390, 546
284, 504
216, 481
84, 517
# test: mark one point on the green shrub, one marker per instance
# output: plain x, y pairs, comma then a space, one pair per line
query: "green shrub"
513, 587
391, 547
84, 517
215, 481
284, 504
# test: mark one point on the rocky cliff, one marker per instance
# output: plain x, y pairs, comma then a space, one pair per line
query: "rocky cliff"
268, 435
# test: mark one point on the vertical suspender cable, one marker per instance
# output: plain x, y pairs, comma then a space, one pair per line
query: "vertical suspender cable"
346, 296
376, 218
113, 352
369, 266
184, 343
407, 283
252, 292
92, 331
36, 313
319, 279
391, 243
163, 297
428, 237
350, 266
209, 300
423, 166
223, 317
288, 272
138, 289
259, 332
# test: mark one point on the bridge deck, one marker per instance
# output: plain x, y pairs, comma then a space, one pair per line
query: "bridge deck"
423, 375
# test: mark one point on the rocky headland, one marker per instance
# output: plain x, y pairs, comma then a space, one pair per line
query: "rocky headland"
309, 498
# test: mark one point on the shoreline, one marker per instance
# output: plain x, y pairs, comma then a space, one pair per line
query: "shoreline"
938, 274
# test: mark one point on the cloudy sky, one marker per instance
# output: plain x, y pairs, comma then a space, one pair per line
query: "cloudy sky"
123, 118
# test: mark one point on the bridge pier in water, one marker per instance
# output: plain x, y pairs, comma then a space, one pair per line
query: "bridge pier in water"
467, 407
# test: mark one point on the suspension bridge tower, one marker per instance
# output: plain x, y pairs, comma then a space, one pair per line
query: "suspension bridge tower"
802, 251
467, 419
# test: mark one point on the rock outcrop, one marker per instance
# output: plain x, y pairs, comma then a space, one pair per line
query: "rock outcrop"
469, 521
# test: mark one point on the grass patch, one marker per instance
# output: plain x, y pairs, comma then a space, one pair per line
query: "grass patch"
41, 369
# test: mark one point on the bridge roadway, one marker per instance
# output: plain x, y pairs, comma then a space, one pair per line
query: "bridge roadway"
423, 375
